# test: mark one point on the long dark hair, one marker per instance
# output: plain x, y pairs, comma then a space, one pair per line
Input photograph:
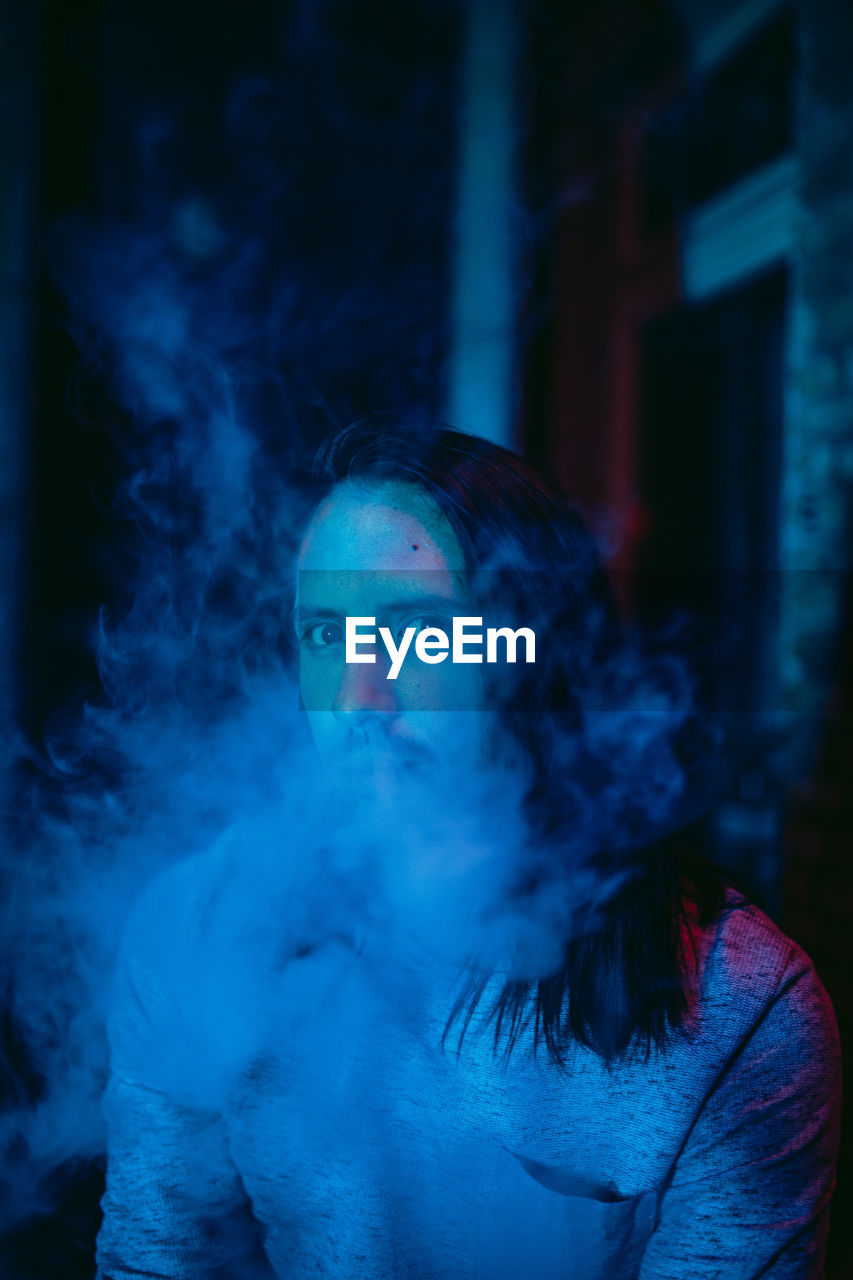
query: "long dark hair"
625, 975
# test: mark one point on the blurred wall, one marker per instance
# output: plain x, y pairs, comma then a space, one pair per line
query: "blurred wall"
20, 84
687, 375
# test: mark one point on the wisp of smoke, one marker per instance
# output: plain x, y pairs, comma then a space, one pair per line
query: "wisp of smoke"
198, 743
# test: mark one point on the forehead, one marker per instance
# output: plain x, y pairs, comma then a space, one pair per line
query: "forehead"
387, 527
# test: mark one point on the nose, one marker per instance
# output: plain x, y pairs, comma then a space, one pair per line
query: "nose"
365, 692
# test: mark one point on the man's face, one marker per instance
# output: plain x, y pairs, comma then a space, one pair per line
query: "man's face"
384, 550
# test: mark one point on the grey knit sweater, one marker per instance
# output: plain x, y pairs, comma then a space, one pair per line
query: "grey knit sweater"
274, 1116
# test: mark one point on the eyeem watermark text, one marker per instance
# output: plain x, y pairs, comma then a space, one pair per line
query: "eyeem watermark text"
433, 645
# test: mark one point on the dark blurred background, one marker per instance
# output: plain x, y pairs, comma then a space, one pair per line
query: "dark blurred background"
614, 235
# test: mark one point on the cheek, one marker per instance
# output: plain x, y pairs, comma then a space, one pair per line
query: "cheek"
325, 730
319, 679
446, 687
456, 738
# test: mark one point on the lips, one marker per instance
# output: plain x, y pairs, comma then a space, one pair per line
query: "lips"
380, 765
406, 758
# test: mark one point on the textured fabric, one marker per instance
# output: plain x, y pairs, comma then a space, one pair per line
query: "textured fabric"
299, 1117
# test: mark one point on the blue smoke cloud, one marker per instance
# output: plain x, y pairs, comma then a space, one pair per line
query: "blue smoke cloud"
198, 743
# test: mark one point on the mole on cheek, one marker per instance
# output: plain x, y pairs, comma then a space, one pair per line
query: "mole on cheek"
414, 546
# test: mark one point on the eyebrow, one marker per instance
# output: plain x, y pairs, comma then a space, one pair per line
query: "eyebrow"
438, 604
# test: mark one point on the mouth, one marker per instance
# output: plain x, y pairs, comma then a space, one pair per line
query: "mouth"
376, 767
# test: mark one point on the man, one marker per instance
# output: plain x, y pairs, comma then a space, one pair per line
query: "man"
461, 1012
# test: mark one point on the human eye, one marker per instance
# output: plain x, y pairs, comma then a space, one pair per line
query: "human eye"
424, 622
322, 635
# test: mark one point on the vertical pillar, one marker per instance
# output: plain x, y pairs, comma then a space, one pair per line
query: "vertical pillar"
817, 461
19, 85
482, 383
